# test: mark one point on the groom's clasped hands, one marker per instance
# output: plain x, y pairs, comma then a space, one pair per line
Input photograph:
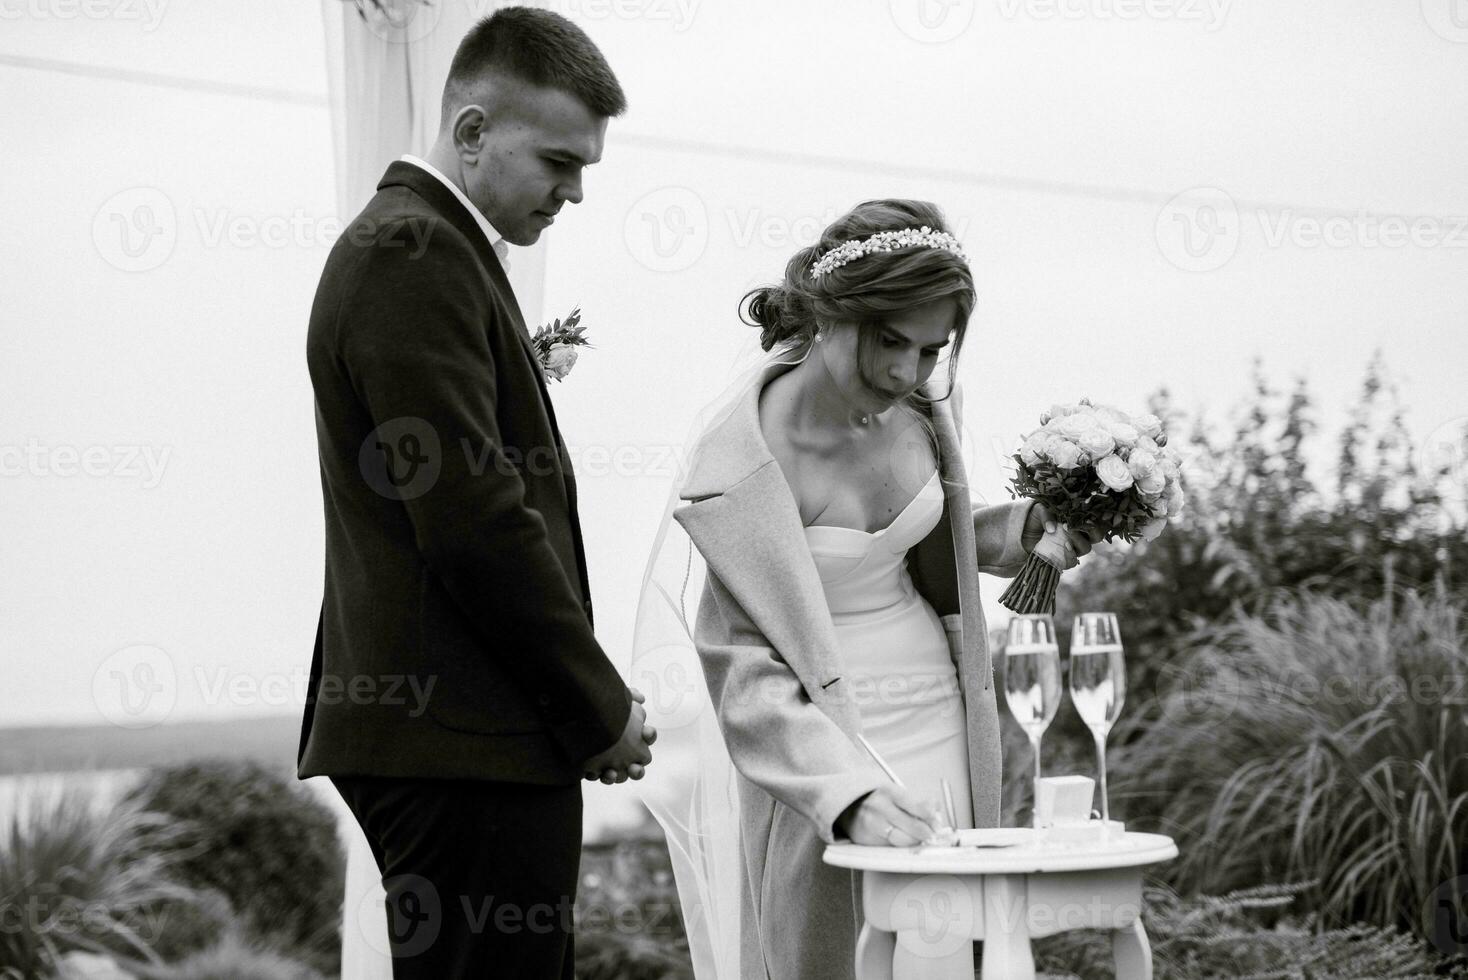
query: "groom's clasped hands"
632, 753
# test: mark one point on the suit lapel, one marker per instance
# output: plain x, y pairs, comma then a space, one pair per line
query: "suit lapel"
428, 187
446, 205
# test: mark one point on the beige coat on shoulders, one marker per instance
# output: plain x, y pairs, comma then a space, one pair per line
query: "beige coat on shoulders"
769, 654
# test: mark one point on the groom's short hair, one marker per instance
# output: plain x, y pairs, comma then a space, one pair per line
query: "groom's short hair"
535, 46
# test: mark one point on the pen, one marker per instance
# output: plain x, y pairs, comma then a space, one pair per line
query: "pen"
948, 805
879, 760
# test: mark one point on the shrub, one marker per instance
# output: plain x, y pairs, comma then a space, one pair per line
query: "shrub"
233, 957
262, 841
1242, 934
1316, 742
1258, 522
73, 879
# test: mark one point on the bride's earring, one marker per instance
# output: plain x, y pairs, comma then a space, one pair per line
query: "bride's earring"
820, 336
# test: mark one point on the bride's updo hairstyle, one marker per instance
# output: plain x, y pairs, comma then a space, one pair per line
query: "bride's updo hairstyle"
865, 291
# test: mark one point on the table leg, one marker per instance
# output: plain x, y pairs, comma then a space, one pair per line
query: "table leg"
1007, 954
874, 949
1131, 952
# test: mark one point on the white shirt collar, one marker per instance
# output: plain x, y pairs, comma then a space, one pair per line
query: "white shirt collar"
496, 240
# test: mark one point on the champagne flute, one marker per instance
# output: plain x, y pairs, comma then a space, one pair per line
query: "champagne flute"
1032, 680
1098, 683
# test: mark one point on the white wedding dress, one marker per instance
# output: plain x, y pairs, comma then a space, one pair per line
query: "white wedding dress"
900, 674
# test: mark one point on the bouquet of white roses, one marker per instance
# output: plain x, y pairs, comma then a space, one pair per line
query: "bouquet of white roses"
1097, 470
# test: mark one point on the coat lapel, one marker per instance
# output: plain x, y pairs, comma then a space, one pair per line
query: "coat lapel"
742, 516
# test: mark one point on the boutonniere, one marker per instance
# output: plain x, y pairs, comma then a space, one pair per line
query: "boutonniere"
555, 345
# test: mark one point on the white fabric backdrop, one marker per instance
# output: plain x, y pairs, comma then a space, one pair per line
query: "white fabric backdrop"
385, 77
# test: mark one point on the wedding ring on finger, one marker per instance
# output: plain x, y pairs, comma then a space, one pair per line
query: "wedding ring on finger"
888, 834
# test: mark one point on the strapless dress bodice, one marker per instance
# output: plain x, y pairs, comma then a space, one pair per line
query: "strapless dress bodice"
866, 571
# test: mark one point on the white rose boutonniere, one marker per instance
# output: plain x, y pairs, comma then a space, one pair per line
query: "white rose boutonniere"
555, 345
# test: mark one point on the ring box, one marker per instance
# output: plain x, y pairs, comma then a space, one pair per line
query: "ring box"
1063, 800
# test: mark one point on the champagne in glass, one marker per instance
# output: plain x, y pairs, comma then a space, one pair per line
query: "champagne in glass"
1098, 683
1032, 678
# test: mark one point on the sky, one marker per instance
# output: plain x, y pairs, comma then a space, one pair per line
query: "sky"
1152, 192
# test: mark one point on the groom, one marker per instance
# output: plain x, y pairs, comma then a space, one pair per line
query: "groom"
457, 694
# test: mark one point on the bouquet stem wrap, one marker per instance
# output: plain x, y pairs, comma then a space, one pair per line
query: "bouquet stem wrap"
1033, 589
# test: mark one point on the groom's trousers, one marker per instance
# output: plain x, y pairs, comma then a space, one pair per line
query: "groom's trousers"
480, 876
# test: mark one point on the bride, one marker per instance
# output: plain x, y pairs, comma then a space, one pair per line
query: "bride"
828, 510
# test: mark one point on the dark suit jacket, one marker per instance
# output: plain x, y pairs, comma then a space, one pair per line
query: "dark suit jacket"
455, 638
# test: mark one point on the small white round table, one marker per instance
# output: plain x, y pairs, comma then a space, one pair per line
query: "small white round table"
933, 899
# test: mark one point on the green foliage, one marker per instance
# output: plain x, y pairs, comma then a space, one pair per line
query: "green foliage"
1243, 935
262, 841
233, 957
628, 922
76, 879
1316, 741
568, 332
1257, 524
1079, 499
